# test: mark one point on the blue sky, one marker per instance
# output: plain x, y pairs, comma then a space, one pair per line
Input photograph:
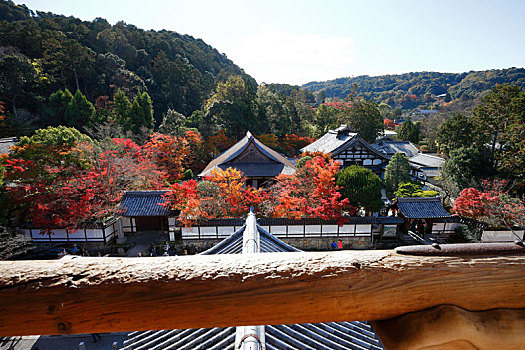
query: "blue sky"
279, 41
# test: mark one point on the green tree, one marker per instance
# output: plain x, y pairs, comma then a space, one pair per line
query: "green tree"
410, 131
79, 112
397, 171
67, 59
234, 107
17, 76
274, 110
141, 114
301, 162
173, 123
413, 189
466, 166
59, 101
409, 189
52, 147
493, 118
326, 118
122, 109
55, 136
457, 131
513, 158
364, 118
361, 186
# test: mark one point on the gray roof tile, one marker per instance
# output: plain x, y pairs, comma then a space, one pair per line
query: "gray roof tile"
421, 207
143, 203
6, 143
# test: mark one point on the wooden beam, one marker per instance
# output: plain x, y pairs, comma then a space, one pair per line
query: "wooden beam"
83, 295
448, 327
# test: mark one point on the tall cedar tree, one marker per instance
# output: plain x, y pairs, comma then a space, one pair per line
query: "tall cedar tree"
141, 114
122, 109
397, 171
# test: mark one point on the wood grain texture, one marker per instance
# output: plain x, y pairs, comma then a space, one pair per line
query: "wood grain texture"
448, 327
84, 295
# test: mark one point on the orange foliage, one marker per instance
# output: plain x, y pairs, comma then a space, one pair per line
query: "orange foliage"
172, 153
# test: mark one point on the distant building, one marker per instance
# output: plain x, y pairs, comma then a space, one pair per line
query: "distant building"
425, 167
350, 149
7, 143
259, 163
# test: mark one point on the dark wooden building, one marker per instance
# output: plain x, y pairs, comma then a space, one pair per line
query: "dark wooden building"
259, 163
421, 214
142, 211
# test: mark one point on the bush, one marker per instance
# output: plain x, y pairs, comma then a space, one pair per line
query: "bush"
466, 234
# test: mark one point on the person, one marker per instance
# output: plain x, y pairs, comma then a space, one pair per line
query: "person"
139, 255
95, 336
153, 250
185, 252
167, 246
333, 246
340, 244
75, 249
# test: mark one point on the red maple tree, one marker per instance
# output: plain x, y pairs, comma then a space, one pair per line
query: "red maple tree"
493, 205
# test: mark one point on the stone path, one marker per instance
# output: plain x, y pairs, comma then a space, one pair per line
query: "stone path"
143, 241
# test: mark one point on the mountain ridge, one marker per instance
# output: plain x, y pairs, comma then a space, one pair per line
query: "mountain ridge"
418, 89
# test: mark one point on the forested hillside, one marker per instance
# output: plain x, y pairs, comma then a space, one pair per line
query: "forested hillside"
419, 89
41, 53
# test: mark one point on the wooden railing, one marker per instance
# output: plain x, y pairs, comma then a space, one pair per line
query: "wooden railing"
85, 295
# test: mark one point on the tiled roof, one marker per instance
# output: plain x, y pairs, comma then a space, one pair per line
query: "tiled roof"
427, 160
338, 140
233, 244
333, 335
421, 207
143, 203
273, 165
392, 147
6, 143
331, 141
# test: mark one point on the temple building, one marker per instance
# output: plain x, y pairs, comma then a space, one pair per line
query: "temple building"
351, 149
258, 162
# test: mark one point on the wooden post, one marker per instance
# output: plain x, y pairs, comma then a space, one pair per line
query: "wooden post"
86, 295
